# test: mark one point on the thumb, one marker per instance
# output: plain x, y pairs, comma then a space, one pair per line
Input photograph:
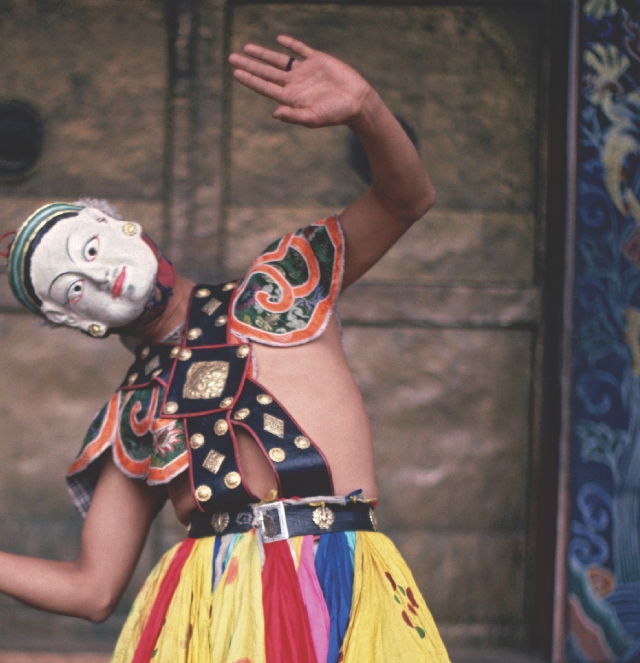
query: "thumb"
301, 116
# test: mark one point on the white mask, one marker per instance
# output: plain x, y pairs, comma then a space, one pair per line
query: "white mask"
93, 272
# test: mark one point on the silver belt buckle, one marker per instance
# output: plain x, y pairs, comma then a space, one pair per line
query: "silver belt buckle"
271, 520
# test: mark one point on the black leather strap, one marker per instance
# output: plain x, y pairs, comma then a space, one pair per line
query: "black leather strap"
300, 520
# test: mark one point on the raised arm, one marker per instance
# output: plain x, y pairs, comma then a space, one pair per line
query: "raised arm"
112, 539
321, 91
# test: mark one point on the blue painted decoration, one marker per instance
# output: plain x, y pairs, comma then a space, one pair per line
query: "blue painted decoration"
604, 546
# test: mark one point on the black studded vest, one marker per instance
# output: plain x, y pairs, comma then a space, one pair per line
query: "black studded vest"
207, 386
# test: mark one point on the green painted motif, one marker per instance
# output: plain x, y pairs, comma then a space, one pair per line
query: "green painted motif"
296, 272
143, 432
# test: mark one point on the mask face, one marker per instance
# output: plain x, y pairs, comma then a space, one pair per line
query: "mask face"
93, 272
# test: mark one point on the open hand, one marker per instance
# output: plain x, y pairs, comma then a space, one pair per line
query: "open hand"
317, 91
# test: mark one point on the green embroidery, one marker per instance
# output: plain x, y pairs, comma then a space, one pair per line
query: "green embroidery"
294, 269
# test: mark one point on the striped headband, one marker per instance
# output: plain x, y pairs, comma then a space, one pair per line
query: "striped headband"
24, 242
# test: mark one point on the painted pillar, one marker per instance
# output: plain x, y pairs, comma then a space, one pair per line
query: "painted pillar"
603, 516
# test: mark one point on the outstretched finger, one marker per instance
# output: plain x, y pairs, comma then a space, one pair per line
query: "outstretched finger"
265, 88
264, 71
295, 45
274, 58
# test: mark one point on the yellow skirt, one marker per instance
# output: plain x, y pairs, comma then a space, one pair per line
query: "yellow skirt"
348, 598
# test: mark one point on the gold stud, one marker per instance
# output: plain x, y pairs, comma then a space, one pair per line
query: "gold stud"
194, 333
226, 402
95, 330
302, 442
174, 352
264, 399
196, 440
220, 427
323, 517
129, 229
242, 351
277, 454
221, 320
171, 407
232, 480
184, 354
156, 373
274, 425
144, 353
273, 494
242, 414
203, 493
213, 461
219, 521
229, 286
202, 293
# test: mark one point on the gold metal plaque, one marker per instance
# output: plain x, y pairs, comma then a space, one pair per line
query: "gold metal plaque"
277, 454
213, 461
151, 365
203, 493
220, 427
226, 402
145, 353
302, 442
242, 414
323, 517
373, 519
264, 399
232, 480
156, 373
171, 407
242, 351
211, 306
194, 333
228, 286
274, 425
202, 293
184, 354
205, 379
222, 320
132, 378
220, 521
174, 352
196, 440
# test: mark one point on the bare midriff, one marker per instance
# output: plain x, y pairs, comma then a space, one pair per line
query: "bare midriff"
314, 383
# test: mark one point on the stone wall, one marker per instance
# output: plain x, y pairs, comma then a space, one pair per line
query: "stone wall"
441, 334
97, 73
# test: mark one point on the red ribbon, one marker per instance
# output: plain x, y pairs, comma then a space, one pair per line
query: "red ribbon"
5, 254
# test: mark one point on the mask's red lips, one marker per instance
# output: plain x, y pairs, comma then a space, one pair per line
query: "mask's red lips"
116, 289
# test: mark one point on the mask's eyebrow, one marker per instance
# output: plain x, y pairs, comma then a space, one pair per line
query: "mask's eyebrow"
53, 283
68, 253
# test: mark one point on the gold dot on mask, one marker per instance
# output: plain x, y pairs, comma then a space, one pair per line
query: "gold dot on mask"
95, 330
129, 229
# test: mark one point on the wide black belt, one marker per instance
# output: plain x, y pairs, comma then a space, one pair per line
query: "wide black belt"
281, 520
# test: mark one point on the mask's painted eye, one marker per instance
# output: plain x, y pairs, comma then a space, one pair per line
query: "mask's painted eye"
90, 250
75, 291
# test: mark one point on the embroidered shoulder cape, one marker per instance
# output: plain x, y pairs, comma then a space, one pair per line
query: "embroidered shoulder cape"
286, 298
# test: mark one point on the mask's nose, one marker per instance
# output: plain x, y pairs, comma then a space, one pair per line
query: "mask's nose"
101, 276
